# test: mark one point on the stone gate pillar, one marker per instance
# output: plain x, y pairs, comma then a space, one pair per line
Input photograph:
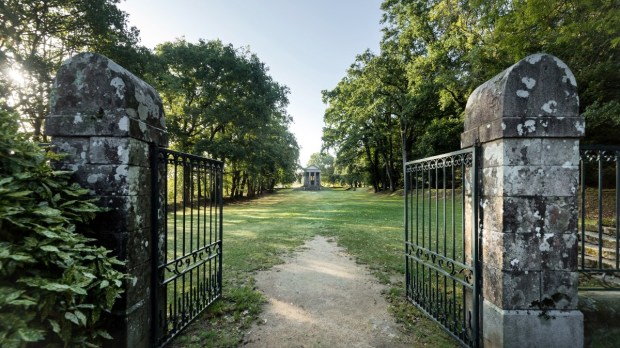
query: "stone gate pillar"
527, 122
105, 118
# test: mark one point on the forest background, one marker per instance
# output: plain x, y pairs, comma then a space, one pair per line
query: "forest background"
401, 103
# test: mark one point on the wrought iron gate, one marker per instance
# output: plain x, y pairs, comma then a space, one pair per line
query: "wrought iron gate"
441, 241
599, 211
187, 239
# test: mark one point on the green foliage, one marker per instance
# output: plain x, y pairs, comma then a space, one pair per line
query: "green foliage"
220, 102
36, 36
54, 283
434, 53
601, 118
440, 136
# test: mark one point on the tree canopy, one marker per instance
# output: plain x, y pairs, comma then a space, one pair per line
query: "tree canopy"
36, 36
221, 102
434, 53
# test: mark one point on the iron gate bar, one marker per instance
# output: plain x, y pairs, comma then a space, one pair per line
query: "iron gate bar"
187, 279
599, 155
431, 254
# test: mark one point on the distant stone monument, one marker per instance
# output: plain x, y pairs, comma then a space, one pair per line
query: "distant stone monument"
312, 178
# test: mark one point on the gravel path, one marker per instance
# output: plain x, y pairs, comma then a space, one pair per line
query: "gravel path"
321, 298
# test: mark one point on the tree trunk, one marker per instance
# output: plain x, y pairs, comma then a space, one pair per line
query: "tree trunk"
234, 184
375, 183
244, 180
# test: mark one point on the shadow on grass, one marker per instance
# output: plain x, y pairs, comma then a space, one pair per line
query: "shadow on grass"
259, 233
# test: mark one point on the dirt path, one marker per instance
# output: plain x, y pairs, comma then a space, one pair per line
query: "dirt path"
321, 298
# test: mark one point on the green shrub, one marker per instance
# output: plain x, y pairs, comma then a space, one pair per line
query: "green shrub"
54, 282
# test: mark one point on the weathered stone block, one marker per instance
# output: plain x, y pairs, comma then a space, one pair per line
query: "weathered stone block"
530, 251
131, 328
559, 290
137, 289
512, 252
512, 152
510, 289
531, 328
74, 151
560, 152
522, 214
559, 251
110, 150
121, 179
516, 127
125, 214
133, 247
108, 125
530, 181
560, 214
529, 214
531, 151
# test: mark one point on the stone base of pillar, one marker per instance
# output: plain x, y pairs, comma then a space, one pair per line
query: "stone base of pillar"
531, 328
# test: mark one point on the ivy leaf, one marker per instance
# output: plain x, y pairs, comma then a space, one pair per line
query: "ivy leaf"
89, 275
104, 334
47, 211
81, 317
18, 194
49, 234
103, 284
25, 303
14, 295
55, 287
72, 318
50, 248
55, 326
21, 257
78, 290
30, 335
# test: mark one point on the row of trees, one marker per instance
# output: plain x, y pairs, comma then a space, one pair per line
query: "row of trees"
407, 101
219, 100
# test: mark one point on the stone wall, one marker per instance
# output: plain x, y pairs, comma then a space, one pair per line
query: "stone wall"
106, 120
527, 123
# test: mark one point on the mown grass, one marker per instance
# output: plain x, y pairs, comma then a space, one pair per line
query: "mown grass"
259, 233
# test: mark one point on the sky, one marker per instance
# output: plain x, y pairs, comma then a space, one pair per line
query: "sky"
307, 44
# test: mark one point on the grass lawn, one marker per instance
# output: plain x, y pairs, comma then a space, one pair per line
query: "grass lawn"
257, 234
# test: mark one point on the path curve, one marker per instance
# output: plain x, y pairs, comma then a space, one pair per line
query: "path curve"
321, 298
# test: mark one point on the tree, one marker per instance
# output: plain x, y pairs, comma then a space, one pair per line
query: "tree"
586, 36
434, 53
38, 35
459, 45
221, 102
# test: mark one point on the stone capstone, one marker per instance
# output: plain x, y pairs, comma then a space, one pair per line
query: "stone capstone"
535, 97
94, 95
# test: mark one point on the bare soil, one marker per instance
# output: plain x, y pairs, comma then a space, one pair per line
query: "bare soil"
321, 298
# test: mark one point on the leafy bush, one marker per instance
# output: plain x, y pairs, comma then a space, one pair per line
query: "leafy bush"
54, 282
